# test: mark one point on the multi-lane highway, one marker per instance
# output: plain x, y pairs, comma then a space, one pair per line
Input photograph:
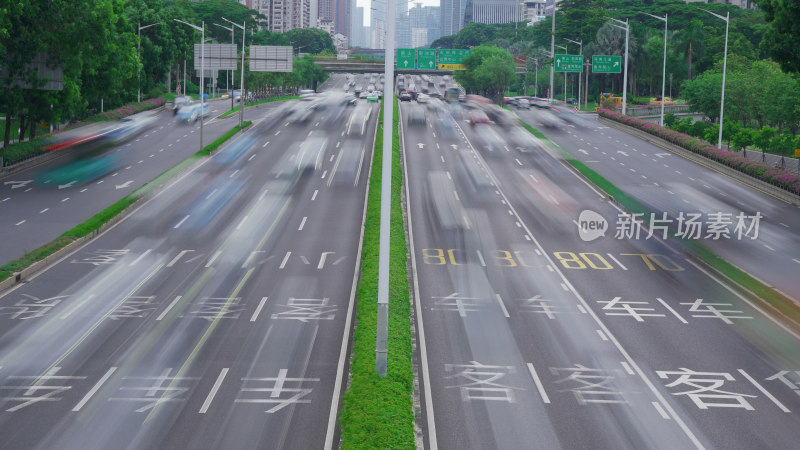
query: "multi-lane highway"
531, 336
216, 315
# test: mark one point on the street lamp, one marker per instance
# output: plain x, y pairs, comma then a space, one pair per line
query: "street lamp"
565, 74
202, 29
241, 84
227, 81
664, 67
138, 56
580, 51
553, 50
627, 29
727, 19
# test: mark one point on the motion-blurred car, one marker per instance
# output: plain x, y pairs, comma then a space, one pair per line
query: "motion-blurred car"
405, 97
523, 103
307, 94
416, 116
477, 116
423, 98
179, 102
372, 97
191, 112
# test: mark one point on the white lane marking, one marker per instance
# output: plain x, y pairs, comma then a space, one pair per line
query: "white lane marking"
265, 144
442, 157
332, 156
767, 393
538, 253
533, 178
285, 258
180, 255
259, 308
212, 193
169, 308
214, 389
502, 305
181, 222
602, 335
783, 224
314, 195
483, 261
242, 222
44, 210
660, 410
84, 189
94, 389
234, 173
538, 383
277, 132
796, 260
518, 161
765, 245
20, 222
627, 368
456, 195
322, 259
519, 225
251, 157
213, 258
581, 309
135, 261
323, 174
617, 261
450, 177
564, 287
67, 198
675, 313
302, 223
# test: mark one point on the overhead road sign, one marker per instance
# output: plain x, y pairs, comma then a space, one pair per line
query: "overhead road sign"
218, 57
568, 63
405, 58
271, 58
426, 58
606, 64
450, 59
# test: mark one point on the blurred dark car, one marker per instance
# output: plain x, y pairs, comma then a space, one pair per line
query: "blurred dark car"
405, 97
416, 116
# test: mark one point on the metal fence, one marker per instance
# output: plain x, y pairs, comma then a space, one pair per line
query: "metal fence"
787, 163
656, 110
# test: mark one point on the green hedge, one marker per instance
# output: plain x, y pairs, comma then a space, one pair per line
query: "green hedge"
377, 413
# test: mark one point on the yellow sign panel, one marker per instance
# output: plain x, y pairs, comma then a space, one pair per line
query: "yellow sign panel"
452, 67
797, 153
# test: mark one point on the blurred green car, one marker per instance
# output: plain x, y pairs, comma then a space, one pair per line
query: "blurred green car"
373, 97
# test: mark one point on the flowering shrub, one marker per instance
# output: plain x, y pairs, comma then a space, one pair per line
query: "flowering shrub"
757, 169
133, 108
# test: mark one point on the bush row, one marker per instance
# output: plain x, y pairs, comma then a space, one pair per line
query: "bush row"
773, 175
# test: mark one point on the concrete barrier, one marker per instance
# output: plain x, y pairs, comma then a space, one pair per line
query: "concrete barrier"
708, 162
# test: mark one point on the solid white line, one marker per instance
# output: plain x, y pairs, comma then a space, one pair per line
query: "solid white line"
20, 223
169, 308
94, 389
581, 309
242, 222
660, 410
538, 383
175, 259
627, 368
767, 393
314, 195
234, 173
480, 258
502, 306
602, 335
211, 193
44, 210
285, 258
675, 313
214, 389
302, 223
140, 257
181, 222
258, 309
213, 258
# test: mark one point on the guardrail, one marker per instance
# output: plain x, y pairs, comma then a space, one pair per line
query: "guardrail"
650, 110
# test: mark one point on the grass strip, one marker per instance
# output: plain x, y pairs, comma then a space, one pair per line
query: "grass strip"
268, 100
378, 412
98, 220
775, 299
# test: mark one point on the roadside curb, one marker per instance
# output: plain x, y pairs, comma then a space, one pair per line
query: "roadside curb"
707, 162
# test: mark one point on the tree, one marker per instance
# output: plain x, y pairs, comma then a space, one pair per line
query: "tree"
444, 42
690, 41
489, 70
310, 40
743, 138
474, 34
783, 32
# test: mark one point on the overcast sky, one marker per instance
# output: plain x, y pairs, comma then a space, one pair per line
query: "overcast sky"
366, 3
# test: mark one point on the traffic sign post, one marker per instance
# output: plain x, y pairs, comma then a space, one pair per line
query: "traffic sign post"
405, 58
450, 59
426, 58
569, 63
606, 64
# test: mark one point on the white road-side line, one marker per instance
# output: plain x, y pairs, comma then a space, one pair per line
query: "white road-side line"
581, 309
94, 389
285, 258
483, 261
538, 383
214, 389
602, 335
675, 313
627, 368
259, 308
181, 222
135, 261
764, 391
169, 308
502, 305
242, 222
660, 410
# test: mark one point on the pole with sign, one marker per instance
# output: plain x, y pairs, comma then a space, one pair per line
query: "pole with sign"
426, 58
451, 59
405, 58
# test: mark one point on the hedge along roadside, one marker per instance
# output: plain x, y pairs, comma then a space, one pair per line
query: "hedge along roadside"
96, 222
768, 296
378, 412
268, 100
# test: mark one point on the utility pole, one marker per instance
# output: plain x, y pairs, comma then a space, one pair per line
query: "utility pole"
139, 57
202, 30
241, 84
580, 51
627, 29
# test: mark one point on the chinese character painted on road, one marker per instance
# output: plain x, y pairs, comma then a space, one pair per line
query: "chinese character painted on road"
537, 304
213, 308
588, 385
791, 379
153, 391
714, 312
704, 389
282, 391
135, 307
481, 381
102, 257
29, 390
618, 307
455, 302
305, 309
31, 307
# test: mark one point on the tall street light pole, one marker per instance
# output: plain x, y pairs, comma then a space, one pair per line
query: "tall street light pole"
727, 20
664, 67
228, 80
627, 29
565, 74
553, 51
580, 51
139, 57
202, 29
241, 84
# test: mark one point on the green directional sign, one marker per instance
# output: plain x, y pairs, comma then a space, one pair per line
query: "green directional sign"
568, 63
426, 58
606, 64
450, 59
405, 58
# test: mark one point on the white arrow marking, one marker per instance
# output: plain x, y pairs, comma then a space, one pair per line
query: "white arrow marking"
62, 186
124, 185
421, 145
18, 184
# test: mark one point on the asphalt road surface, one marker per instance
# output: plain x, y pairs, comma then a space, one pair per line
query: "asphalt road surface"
532, 337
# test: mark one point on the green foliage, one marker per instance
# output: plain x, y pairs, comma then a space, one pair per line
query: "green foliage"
742, 138
763, 137
783, 32
377, 412
310, 40
489, 70
474, 34
670, 120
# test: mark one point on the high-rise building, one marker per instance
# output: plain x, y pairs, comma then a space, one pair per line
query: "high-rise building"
343, 10
427, 18
357, 29
452, 16
492, 11
284, 15
325, 10
419, 37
